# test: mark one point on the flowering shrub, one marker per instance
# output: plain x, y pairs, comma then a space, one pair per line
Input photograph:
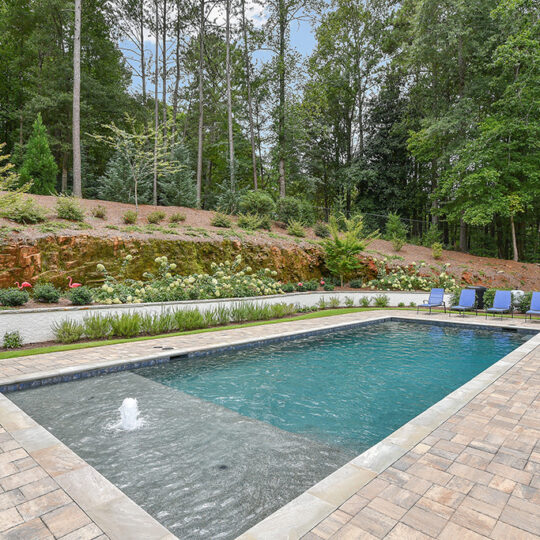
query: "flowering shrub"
409, 278
227, 280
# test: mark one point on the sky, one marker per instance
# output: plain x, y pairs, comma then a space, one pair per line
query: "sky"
301, 32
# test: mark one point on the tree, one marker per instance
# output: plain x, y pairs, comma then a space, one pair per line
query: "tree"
77, 185
39, 166
341, 250
135, 159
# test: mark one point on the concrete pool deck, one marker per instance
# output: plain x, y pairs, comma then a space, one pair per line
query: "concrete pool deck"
468, 466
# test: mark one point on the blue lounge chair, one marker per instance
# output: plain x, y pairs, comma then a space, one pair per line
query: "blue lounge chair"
436, 299
535, 305
467, 299
502, 303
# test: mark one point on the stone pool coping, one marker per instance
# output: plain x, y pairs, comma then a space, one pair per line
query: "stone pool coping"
299, 516
35, 378
112, 511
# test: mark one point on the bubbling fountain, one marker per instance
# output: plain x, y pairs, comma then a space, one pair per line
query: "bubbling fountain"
129, 415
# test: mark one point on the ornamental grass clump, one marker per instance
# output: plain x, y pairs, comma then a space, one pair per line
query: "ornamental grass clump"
67, 331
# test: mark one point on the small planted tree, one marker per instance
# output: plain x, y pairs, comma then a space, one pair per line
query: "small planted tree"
38, 164
135, 150
342, 248
396, 231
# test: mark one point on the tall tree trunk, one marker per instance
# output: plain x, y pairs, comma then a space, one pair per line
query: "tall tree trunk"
64, 184
258, 124
77, 183
229, 97
514, 242
250, 105
177, 74
201, 105
281, 112
143, 59
156, 106
462, 236
164, 70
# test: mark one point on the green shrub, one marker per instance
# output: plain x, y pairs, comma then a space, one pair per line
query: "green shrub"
47, 293
523, 303
257, 202
432, 235
395, 229
288, 287
342, 249
155, 217
291, 209
328, 287
381, 300
221, 220
13, 297
412, 304
349, 302
321, 230
81, 296
436, 250
296, 228
356, 284
365, 301
310, 285
99, 212
177, 217
39, 166
130, 217
67, 331
397, 243
401, 304
249, 222
69, 208
26, 211
12, 340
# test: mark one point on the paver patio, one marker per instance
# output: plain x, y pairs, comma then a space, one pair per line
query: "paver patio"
475, 476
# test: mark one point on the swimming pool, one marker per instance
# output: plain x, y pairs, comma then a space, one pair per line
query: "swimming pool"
230, 438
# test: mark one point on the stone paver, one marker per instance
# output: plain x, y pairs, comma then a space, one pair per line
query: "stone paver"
477, 473
469, 471
32, 505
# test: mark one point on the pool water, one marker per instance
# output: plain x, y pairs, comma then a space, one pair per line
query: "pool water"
349, 389
228, 439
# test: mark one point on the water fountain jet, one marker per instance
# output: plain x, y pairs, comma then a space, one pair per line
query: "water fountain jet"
129, 414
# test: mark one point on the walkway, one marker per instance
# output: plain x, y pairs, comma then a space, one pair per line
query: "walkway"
469, 468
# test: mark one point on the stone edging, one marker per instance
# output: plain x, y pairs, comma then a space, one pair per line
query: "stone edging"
106, 505
306, 511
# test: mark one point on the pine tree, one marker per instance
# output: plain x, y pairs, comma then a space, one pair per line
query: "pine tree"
178, 187
38, 165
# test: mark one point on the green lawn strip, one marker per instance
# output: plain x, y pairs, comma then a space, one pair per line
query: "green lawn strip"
91, 344
313, 315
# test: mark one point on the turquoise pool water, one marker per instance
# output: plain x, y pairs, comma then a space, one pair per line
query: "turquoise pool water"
349, 388
229, 439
